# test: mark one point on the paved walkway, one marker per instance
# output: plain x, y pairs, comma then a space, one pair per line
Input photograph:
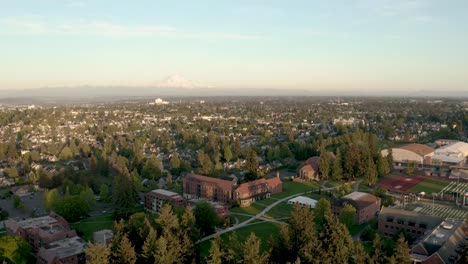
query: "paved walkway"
259, 216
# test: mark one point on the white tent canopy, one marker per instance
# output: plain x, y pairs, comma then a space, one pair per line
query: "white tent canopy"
304, 201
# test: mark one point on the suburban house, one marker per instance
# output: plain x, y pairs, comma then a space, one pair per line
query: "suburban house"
391, 220
225, 191
367, 206
155, 200
441, 244
309, 169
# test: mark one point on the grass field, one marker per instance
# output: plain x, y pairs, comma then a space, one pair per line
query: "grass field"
290, 188
280, 211
93, 224
429, 186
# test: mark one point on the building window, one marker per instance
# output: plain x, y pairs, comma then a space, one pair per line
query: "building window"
386, 226
401, 221
423, 226
389, 219
410, 223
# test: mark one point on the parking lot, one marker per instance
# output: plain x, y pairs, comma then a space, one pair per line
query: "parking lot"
33, 206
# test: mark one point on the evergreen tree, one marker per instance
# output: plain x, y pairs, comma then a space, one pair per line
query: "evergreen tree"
152, 169
252, 164
361, 256
97, 254
251, 251
337, 167
402, 251
322, 208
371, 173
227, 152
348, 215
104, 192
324, 164
336, 245
378, 256
389, 159
382, 166
215, 255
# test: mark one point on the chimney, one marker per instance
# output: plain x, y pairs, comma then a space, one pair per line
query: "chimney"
277, 174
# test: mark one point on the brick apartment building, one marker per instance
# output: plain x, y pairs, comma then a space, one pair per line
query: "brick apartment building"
392, 220
41, 230
224, 191
155, 200
69, 251
367, 206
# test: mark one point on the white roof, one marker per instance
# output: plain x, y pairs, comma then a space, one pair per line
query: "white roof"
303, 200
165, 192
453, 153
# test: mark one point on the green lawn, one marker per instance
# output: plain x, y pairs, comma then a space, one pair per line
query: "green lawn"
251, 210
429, 186
290, 188
279, 211
93, 224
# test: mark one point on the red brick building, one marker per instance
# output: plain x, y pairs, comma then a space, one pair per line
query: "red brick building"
309, 170
367, 206
392, 220
41, 230
69, 251
223, 191
212, 189
248, 192
155, 200
440, 245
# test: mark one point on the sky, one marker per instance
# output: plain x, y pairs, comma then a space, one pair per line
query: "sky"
344, 45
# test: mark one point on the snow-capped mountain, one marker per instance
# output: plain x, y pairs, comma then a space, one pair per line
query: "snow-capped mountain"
179, 81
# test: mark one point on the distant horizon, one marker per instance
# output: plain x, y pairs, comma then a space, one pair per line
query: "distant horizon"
392, 45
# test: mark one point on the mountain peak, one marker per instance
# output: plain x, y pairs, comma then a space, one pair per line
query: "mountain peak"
178, 81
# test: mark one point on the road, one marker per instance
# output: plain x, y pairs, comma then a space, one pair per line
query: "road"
259, 215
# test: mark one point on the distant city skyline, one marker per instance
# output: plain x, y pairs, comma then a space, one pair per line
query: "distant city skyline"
361, 45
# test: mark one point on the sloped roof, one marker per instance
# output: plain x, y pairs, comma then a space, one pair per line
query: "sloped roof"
419, 149
220, 182
359, 200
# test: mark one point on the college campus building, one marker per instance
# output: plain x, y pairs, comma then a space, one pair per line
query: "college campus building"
437, 239
392, 220
367, 206
51, 237
309, 169
69, 250
417, 153
155, 200
440, 246
41, 230
224, 191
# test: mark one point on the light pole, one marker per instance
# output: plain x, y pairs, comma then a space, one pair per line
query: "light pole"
433, 196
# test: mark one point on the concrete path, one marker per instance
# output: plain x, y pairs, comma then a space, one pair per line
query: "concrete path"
259, 216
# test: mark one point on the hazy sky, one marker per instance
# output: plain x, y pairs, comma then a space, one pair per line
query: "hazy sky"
396, 45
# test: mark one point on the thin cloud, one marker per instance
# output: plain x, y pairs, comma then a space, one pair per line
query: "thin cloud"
36, 26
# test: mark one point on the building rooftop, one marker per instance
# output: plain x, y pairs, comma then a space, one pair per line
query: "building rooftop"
435, 240
415, 217
62, 248
37, 222
102, 236
419, 149
165, 192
